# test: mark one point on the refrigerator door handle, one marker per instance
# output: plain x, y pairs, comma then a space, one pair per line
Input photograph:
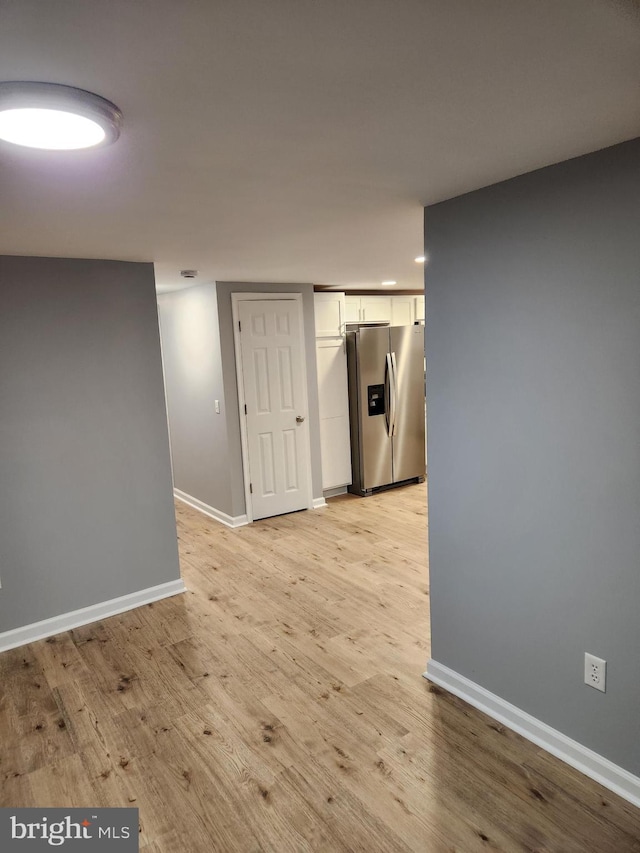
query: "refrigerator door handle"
394, 373
391, 394
388, 394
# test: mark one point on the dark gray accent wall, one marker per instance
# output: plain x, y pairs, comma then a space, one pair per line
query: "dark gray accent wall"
533, 400
86, 510
193, 379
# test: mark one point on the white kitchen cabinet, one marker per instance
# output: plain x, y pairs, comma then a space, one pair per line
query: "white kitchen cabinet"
395, 310
333, 398
402, 310
368, 309
376, 309
329, 314
352, 309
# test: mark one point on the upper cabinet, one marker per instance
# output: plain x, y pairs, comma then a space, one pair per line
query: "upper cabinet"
330, 314
368, 309
395, 310
403, 310
352, 309
376, 309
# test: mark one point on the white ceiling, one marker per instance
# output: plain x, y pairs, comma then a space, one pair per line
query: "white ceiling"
297, 140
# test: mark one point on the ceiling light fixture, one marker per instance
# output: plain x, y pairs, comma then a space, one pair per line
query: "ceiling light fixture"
389, 283
54, 117
420, 259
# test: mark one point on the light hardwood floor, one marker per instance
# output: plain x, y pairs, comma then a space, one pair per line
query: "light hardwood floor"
279, 706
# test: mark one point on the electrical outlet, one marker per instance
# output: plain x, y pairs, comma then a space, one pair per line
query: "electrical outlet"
595, 672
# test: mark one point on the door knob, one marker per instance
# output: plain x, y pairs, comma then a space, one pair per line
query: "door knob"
299, 419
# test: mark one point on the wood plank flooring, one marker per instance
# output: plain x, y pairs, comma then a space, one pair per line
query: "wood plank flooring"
279, 706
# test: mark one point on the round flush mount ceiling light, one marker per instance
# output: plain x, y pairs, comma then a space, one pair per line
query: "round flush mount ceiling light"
420, 259
57, 118
388, 283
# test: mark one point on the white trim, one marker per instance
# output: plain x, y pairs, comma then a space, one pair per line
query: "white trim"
212, 512
318, 503
75, 618
244, 441
593, 765
236, 299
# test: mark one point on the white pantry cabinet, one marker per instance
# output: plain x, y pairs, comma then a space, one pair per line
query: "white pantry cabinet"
333, 395
335, 440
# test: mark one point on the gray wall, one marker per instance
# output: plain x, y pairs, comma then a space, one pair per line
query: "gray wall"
193, 380
225, 289
200, 367
86, 509
533, 399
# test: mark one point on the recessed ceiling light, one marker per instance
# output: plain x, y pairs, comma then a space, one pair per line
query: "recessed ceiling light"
57, 118
389, 283
420, 259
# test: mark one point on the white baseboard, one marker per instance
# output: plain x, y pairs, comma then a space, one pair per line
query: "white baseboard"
593, 765
318, 503
212, 512
75, 618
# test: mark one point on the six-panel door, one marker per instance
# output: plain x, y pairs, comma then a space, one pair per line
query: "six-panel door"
273, 373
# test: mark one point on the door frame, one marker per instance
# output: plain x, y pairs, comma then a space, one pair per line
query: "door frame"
236, 299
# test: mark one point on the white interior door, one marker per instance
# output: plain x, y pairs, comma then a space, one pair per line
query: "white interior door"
277, 431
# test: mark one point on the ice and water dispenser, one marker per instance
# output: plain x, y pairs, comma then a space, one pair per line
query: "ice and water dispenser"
375, 399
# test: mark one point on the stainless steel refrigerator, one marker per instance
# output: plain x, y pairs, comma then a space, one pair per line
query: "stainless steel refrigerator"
386, 405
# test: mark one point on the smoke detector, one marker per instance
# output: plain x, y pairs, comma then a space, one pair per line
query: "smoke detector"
189, 273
